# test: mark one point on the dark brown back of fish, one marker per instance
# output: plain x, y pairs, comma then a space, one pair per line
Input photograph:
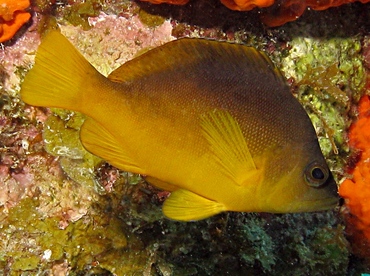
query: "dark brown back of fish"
200, 75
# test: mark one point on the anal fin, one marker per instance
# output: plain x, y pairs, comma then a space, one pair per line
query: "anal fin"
184, 205
99, 141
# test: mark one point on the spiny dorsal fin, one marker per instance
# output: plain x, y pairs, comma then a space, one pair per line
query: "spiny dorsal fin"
97, 140
186, 206
198, 53
228, 145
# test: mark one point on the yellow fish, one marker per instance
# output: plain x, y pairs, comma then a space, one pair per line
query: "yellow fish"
212, 122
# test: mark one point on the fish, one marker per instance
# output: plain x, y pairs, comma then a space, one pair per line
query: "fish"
212, 122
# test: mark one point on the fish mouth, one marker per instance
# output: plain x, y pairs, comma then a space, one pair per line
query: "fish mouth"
323, 204
331, 186
311, 205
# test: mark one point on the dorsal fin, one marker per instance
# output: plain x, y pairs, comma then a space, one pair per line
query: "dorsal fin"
187, 51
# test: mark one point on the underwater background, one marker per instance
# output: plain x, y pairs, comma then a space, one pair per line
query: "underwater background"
67, 212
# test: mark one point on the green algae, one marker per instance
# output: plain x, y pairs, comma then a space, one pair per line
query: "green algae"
62, 140
307, 53
330, 120
261, 247
79, 13
250, 244
127, 262
61, 137
326, 249
150, 20
327, 64
330, 244
82, 242
330, 77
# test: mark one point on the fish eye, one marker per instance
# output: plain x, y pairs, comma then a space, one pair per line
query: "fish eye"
316, 175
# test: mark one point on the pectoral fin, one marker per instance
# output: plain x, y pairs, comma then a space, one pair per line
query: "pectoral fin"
186, 206
228, 146
99, 141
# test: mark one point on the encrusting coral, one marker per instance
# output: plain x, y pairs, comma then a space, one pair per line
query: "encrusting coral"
12, 17
356, 191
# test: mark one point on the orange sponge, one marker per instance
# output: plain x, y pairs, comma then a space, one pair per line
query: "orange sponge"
284, 11
243, 5
12, 17
356, 191
279, 11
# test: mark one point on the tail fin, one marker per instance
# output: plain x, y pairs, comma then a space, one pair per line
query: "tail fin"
59, 75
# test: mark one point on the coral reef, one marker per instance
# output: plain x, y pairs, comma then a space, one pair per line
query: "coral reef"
79, 13
64, 212
80, 243
329, 75
107, 48
12, 17
250, 244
